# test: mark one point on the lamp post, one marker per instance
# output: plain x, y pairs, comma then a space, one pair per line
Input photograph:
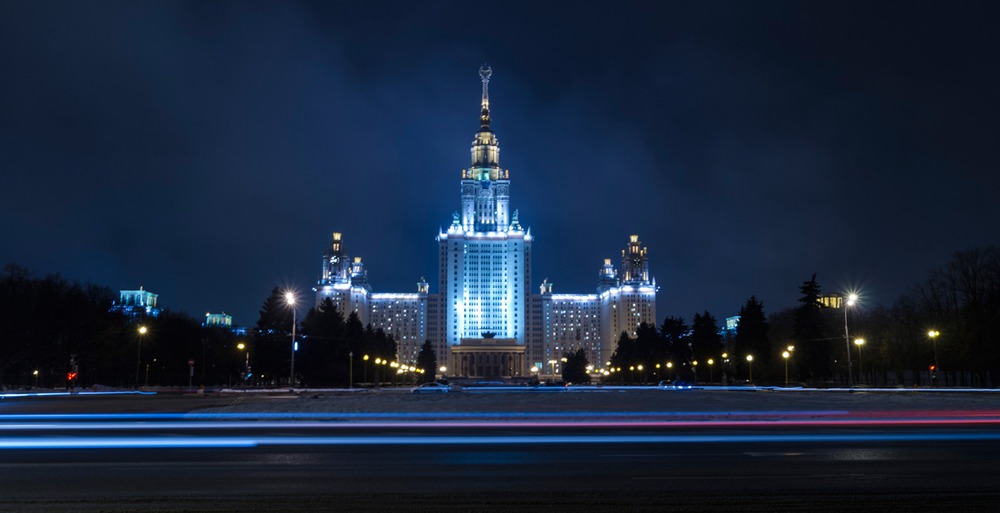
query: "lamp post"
36, 377
553, 363
851, 299
350, 370
933, 334
750, 365
861, 362
790, 350
138, 355
290, 299
710, 362
785, 355
246, 364
364, 368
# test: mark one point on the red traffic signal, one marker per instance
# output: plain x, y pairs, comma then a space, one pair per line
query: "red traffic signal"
932, 367
70, 376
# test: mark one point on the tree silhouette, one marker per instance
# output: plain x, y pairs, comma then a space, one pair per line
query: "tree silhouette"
575, 367
809, 333
427, 360
752, 338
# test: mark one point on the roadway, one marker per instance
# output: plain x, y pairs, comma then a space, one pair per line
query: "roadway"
558, 462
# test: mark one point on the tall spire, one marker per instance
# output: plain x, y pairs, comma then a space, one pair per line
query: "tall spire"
484, 118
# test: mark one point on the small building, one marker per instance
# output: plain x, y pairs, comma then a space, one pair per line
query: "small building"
218, 320
135, 303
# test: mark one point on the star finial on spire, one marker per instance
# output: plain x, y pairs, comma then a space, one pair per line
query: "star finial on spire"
485, 72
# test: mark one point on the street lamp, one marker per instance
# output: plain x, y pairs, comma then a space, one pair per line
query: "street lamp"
553, 364
364, 368
138, 355
246, 365
710, 362
750, 365
350, 370
36, 377
785, 355
851, 300
861, 363
933, 334
290, 299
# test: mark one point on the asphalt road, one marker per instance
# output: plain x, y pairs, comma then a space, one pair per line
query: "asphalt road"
544, 465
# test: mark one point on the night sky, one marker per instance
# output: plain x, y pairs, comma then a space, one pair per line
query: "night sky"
207, 150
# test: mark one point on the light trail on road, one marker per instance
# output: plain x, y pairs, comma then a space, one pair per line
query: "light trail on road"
431, 424
225, 442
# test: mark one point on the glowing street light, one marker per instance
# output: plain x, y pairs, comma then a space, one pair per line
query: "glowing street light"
710, 363
861, 363
934, 334
36, 377
785, 355
850, 301
750, 365
246, 366
138, 354
290, 299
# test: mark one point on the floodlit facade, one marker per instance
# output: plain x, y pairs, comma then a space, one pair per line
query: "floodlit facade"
218, 320
484, 319
134, 303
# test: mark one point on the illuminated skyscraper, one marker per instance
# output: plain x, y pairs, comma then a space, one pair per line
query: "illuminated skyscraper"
483, 320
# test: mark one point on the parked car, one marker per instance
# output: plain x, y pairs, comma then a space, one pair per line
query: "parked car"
432, 388
674, 385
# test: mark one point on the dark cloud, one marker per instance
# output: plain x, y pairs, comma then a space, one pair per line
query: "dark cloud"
207, 150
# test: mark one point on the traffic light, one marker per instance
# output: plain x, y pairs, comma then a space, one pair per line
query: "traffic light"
70, 376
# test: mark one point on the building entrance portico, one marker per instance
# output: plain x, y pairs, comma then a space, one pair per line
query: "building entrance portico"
488, 358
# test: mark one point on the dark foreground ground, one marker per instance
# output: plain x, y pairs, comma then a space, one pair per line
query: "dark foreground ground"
702, 451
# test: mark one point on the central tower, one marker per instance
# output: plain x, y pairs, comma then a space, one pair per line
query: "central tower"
485, 257
485, 187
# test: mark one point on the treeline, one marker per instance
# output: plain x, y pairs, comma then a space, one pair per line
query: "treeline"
889, 345
333, 351
51, 328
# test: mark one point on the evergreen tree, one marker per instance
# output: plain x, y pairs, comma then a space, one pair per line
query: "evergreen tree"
272, 341
624, 356
706, 342
674, 332
325, 356
354, 333
275, 313
575, 367
648, 344
427, 361
752, 338
815, 353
